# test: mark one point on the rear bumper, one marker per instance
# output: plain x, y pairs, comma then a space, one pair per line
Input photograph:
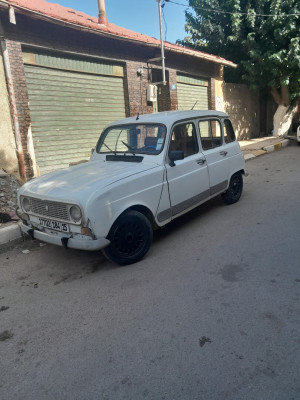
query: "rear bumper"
64, 241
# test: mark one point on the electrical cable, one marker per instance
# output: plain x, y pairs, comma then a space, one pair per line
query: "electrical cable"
231, 13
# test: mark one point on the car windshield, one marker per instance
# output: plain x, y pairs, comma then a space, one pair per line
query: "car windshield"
133, 139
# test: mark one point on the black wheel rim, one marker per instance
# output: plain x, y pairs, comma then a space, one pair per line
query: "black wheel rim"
235, 187
129, 238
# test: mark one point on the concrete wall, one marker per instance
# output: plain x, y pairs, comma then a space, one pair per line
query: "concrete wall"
243, 107
8, 158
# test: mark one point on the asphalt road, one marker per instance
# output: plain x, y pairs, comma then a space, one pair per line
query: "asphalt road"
212, 312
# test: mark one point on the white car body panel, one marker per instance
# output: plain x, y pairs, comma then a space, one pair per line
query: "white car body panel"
104, 189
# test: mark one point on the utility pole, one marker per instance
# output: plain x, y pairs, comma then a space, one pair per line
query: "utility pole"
161, 44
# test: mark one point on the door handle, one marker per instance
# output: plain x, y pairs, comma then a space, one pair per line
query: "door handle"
223, 153
201, 161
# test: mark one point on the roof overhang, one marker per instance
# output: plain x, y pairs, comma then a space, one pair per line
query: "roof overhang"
83, 22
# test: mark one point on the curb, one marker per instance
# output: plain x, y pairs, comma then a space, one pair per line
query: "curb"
9, 236
276, 146
267, 149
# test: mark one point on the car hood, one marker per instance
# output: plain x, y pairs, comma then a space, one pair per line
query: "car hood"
76, 183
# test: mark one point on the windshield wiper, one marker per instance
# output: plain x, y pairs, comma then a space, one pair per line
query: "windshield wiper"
129, 147
112, 151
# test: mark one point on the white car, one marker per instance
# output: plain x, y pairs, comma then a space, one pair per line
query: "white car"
145, 171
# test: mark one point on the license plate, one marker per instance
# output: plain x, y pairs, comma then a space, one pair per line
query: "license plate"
55, 225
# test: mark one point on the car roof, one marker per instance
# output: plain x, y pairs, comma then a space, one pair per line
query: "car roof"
169, 117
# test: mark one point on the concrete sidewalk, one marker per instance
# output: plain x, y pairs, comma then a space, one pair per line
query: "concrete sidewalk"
10, 233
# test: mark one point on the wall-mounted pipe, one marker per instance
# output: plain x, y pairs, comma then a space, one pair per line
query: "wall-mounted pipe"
13, 104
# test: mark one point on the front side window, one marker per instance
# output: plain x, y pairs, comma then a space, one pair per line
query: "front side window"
210, 133
184, 138
135, 138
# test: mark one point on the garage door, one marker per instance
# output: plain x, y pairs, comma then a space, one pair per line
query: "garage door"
70, 101
191, 90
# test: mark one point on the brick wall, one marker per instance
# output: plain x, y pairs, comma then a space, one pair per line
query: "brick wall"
21, 96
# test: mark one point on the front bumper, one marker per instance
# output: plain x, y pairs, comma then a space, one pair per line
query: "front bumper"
65, 241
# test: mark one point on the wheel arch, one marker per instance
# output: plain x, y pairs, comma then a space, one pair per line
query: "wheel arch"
143, 210
140, 208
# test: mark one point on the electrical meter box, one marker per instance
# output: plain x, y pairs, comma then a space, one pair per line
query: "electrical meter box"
152, 93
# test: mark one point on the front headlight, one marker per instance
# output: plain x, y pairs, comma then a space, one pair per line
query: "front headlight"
25, 202
75, 213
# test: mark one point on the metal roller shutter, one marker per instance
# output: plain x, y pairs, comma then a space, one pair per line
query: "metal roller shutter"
70, 108
190, 90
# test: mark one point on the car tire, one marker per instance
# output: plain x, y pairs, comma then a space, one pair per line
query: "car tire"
130, 238
235, 188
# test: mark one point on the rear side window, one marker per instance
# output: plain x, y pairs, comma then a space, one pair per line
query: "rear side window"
229, 135
210, 133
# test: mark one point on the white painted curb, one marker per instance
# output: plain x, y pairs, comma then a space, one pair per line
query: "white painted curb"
249, 157
10, 233
276, 146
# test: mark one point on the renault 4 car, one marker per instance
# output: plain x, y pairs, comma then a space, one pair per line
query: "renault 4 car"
144, 172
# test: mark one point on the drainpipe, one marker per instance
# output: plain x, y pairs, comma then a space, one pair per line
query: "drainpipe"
102, 18
9, 80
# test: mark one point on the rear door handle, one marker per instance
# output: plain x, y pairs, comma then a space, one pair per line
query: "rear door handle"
201, 161
223, 153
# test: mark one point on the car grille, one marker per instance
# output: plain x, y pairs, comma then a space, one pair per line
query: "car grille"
50, 209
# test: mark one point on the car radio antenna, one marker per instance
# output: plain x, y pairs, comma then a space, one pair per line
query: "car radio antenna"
194, 104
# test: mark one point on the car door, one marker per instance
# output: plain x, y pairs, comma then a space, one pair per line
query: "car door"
187, 180
215, 153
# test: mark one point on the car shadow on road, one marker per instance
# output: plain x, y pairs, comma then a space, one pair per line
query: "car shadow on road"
63, 265
189, 219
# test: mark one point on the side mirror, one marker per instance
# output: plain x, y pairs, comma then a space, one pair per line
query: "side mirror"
175, 155
92, 151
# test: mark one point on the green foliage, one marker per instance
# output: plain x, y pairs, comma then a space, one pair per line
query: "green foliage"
266, 48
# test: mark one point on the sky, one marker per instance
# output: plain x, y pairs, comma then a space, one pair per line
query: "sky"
138, 15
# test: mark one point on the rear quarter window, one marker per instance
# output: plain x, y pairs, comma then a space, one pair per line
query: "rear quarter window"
229, 135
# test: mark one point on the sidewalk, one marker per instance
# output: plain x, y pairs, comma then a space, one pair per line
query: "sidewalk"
10, 233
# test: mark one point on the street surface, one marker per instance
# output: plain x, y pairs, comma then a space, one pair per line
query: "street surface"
212, 312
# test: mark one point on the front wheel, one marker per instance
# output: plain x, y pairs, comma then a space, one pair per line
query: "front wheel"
130, 238
234, 191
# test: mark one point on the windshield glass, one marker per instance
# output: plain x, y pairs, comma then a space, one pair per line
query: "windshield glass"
133, 139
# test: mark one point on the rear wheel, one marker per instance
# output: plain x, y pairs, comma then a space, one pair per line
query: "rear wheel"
234, 191
130, 238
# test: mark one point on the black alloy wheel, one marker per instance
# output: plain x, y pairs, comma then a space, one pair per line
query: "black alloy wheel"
130, 238
234, 191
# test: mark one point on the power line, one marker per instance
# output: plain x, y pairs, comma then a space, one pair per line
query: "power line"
231, 13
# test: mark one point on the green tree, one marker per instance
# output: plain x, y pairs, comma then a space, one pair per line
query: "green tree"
262, 37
